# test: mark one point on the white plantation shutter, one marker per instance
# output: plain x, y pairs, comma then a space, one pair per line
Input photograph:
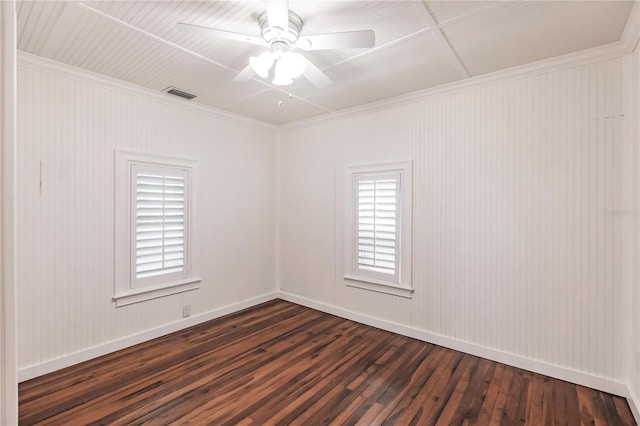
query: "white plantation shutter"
377, 224
159, 224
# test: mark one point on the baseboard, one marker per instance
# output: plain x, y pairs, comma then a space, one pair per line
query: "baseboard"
558, 372
634, 404
513, 360
116, 345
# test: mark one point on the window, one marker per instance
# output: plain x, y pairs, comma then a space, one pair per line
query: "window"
377, 224
155, 254
378, 228
159, 219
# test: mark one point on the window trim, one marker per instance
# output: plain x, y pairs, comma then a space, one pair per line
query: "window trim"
353, 278
125, 292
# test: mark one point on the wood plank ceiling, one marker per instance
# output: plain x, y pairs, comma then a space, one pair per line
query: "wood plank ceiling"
418, 45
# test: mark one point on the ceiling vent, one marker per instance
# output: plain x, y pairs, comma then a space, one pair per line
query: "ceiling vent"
177, 92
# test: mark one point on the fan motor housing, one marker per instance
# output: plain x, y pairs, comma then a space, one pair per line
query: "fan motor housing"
276, 37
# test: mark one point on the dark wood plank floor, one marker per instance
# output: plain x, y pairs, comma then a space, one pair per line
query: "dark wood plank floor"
280, 363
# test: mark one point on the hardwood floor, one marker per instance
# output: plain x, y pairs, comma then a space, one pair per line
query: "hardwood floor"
280, 363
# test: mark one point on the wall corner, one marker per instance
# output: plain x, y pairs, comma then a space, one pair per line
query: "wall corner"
278, 209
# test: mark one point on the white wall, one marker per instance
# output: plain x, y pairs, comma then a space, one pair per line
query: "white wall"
69, 126
518, 189
519, 213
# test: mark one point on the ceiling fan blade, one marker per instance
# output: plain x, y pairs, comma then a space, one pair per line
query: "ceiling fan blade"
278, 13
315, 76
215, 33
246, 74
348, 39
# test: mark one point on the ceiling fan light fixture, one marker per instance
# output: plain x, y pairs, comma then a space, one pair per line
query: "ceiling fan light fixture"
292, 64
281, 80
288, 66
262, 63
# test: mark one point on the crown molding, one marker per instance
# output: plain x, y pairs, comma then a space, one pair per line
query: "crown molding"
570, 60
63, 70
631, 34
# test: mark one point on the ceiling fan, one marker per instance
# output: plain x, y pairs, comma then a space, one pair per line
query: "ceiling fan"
280, 33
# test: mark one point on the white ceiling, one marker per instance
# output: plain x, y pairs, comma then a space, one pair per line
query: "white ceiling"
419, 44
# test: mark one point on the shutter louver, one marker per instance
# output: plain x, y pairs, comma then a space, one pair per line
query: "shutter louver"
160, 222
377, 223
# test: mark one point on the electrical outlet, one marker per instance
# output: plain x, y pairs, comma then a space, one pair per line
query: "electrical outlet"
186, 311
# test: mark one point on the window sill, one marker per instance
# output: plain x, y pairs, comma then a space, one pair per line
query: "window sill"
381, 286
143, 294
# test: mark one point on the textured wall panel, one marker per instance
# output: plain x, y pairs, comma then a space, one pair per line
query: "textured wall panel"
516, 239
68, 131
